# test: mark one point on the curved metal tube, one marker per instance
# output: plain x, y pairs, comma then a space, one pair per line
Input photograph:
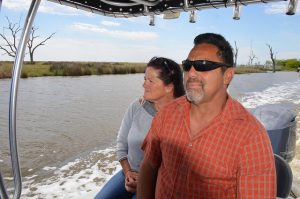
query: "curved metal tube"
119, 3
137, 2
13, 101
147, 3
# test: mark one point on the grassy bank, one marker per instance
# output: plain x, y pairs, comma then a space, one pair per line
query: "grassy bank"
244, 69
87, 68
72, 68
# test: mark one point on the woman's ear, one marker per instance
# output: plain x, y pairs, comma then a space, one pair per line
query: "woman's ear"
169, 88
228, 75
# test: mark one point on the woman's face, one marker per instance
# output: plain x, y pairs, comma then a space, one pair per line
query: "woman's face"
154, 88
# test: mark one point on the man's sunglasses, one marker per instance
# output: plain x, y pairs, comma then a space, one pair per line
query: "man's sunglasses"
202, 65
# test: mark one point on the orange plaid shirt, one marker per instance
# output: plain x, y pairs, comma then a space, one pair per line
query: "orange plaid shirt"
231, 158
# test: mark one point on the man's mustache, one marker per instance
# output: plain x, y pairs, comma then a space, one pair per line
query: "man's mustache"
194, 80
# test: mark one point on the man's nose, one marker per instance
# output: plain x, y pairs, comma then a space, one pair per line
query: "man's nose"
192, 72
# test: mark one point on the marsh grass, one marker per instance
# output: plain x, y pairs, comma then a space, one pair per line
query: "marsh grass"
39, 69
5, 69
244, 69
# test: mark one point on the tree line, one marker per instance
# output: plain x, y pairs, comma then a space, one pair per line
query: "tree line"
276, 64
289, 64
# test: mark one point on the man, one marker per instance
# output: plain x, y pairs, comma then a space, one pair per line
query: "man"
206, 145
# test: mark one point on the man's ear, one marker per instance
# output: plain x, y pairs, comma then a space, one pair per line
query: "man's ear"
228, 75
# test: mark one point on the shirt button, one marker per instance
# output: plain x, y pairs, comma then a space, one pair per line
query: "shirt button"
178, 194
190, 144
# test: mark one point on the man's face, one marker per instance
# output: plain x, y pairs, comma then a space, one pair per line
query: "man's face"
205, 86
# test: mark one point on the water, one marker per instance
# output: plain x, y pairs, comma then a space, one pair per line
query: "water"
67, 126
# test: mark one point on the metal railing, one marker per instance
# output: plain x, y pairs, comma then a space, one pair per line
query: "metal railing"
13, 104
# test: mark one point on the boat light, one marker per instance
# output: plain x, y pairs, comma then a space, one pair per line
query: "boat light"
192, 17
152, 20
236, 12
292, 6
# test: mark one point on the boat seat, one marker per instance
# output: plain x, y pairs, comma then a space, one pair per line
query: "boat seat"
284, 177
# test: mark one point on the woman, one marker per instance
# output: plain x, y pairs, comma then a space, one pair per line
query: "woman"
162, 83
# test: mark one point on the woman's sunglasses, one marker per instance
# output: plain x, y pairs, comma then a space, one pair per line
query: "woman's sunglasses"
161, 61
202, 65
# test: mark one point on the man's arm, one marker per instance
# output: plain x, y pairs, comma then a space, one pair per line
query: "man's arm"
147, 181
257, 175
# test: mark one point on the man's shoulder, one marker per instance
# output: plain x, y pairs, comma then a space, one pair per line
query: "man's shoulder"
237, 110
175, 107
241, 113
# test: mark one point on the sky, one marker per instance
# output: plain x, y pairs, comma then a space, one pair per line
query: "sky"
84, 36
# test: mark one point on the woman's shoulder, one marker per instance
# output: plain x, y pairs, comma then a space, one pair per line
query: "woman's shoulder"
142, 104
135, 104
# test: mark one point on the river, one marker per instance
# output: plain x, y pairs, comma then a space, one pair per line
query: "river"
67, 126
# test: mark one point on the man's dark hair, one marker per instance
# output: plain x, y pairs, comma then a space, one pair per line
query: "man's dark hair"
220, 42
169, 72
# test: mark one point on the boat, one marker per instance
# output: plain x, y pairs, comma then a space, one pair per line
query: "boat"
280, 122
282, 136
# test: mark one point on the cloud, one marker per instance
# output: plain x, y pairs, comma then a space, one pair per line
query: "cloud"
63, 49
45, 7
278, 8
16, 4
110, 23
56, 9
138, 35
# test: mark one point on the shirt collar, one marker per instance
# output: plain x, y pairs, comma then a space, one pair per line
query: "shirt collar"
233, 110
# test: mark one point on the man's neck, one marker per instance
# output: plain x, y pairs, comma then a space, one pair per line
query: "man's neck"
208, 108
201, 115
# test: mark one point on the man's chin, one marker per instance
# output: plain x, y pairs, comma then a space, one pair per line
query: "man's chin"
195, 99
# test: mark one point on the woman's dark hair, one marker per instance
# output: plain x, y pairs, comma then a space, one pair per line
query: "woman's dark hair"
169, 72
220, 42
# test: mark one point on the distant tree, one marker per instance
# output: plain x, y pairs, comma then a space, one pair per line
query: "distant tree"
252, 56
236, 50
10, 45
272, 55
11, 40
30, 44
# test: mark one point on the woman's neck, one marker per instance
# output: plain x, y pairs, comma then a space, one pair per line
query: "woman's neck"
159, 104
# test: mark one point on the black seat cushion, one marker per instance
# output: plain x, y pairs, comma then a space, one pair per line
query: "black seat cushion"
284, 177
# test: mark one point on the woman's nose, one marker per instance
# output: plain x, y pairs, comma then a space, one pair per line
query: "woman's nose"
144, 84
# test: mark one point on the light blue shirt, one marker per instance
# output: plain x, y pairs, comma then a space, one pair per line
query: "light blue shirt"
133, 130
